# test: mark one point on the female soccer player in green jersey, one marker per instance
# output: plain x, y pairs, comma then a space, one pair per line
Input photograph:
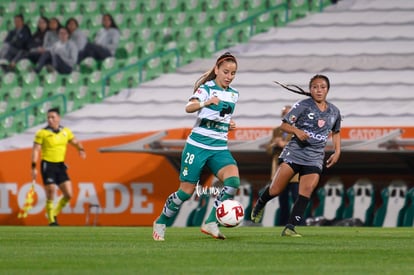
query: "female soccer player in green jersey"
214, 100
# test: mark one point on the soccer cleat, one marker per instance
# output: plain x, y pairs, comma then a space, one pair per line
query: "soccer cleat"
257, 213
290, 232
55, 223
158, 231
212, 229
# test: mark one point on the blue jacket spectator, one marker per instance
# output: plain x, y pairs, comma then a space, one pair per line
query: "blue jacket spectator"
16, 40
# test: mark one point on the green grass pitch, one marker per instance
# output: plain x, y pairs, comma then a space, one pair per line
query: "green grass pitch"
247, 250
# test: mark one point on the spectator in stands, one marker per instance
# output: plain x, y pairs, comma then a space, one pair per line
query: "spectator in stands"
35, 44
52, 35
214, 101
274, 148
105, 43
53, 168
311, 121
16, 40
62, 56
77, 35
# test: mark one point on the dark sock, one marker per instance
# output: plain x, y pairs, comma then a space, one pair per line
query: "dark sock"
264, 197
298, 210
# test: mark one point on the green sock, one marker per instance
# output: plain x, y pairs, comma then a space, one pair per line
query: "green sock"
172, 205
231, 185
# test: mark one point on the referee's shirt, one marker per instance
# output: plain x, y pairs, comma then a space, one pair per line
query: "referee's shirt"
53, 143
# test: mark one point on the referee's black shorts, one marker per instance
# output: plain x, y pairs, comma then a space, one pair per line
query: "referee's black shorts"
53, 172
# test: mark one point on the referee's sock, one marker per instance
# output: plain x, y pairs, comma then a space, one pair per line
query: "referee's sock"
62, 203
49, 211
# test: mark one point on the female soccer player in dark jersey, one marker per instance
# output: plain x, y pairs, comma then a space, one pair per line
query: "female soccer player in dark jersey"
311, 121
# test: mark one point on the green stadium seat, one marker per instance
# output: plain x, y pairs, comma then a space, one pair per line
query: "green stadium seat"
152, 69
88, 65
13, 98
48, 9
131, 78
173, 6
331, 200
68, 9
30, 79
245, 197
390, 213
361, 198
89, 7
409, 209
33, 93
24, 65
52, 80
299, 9
94, 84
9, 81
108, 65
14, 123
117, 83
185, 216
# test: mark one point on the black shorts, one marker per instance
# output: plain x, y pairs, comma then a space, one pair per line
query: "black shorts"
303, 169
53, 172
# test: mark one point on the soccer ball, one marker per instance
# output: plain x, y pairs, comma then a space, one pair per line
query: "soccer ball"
230, 213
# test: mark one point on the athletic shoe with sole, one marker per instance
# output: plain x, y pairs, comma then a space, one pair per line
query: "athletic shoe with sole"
158, 231
257, 213
289, 232
212, 229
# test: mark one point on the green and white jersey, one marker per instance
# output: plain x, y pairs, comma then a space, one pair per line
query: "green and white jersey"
212, 125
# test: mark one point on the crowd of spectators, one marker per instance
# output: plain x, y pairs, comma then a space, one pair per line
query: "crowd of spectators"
56, 46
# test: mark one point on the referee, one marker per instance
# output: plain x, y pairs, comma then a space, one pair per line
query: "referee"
51, 142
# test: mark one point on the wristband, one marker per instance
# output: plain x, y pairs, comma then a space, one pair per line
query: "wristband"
33, 165
201, 105
81, 149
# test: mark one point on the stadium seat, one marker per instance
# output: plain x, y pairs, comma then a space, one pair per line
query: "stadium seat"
94, 83
9, 81
24, 65
30, 79
153, 68
361, 197
409, 209
245, 197
331, 200
185, 215
271, 213
108, 65
88, 65
68, 9
299, 8
13, 98
390, 213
